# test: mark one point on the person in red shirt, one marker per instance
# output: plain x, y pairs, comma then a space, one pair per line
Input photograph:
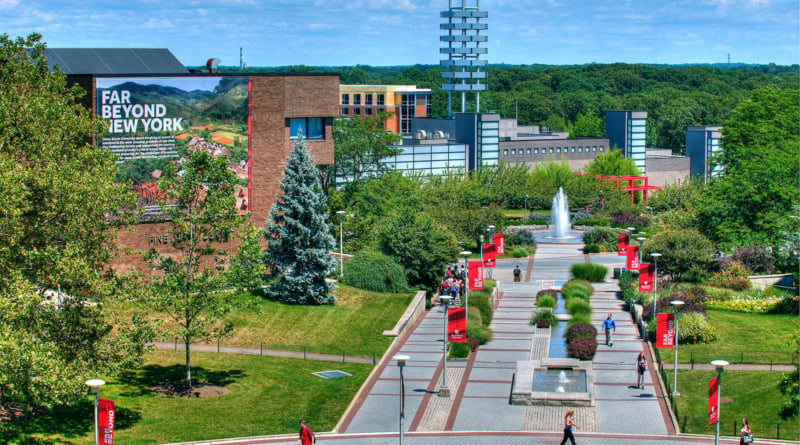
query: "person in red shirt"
306, 435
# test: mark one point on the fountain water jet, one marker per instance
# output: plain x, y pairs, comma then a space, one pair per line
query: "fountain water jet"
560, 215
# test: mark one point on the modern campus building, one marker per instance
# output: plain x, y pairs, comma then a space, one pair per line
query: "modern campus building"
626, 131
157, 111
404, 102
531, 145
703, 143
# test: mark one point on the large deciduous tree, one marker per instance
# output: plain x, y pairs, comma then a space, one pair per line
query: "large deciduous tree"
752, 202
200, 215
299, 242
360, 144
59, 210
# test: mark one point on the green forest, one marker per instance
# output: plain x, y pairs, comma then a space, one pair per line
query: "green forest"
576, 97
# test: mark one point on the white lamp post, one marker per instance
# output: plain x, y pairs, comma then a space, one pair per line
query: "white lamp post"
341, 250
466, 254
95, 384
655, 257
491, 241
677, 305
444, 391
650, 209
525, 216
401, 362
720, 366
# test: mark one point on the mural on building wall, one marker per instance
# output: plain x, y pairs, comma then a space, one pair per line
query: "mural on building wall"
154, 121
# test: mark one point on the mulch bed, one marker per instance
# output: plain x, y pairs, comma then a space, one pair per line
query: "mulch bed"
198, 389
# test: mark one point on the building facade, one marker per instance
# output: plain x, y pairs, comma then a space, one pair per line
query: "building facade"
627, 131
703, 143
578, 152
405, 102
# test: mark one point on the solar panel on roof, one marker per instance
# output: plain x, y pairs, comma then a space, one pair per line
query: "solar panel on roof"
124, 61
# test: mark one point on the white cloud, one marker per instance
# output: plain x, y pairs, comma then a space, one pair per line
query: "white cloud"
158, 24
8, 4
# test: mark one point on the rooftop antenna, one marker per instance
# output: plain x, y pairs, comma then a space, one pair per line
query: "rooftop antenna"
462, 26
241, 58
729, 58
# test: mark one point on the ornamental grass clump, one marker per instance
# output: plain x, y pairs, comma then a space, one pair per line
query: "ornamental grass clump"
576, 283
546, 301
591, 272
578, 306
544, 315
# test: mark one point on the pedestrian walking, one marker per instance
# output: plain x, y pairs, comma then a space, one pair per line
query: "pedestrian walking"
568, 424
609, 325
306, 435
517, 274
747, 435
641, 367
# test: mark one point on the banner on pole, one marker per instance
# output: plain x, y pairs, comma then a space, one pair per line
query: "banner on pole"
475, 275
489, 255
665, 330
646, 277
500, 241
632, 253
622, 245
105, 420
713, 409
457, 325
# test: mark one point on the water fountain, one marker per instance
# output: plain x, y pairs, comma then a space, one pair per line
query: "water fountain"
559, 219
553, 382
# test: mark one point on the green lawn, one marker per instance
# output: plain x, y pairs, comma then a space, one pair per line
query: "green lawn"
748, 338
354, 324
752, 394
267, 395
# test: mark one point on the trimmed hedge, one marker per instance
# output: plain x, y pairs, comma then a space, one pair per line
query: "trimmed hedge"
372, 270
580, 330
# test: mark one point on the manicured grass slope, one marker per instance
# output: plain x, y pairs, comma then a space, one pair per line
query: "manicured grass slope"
266, 395
755, 338
752, 394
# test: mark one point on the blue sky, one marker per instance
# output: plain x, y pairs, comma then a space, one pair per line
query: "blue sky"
406, 32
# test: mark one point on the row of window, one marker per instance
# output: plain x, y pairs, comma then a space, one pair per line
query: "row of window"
380, 99
356, 111
552, 150
309, 127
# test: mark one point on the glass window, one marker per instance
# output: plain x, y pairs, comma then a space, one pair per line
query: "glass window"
310, 128
551, 150
345, 99
505, 152
513, 151
345, 111
297, 127
536, 151
594, 147
356, 99
356, 111
580, 149
558, 149
367, 111
380, 99
368, 99
527, 151
315, 128
601, 148
572, 150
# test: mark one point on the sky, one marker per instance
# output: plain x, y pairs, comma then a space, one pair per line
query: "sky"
406, 32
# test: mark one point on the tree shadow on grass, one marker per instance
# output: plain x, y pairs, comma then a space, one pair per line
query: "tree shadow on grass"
67, 421
142, 380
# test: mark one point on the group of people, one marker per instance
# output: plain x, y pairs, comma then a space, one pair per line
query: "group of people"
454, 282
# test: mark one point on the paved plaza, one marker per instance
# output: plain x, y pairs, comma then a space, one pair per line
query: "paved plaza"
478, 411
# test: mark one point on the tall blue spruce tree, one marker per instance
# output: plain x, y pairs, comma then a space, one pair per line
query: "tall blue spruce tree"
299, 242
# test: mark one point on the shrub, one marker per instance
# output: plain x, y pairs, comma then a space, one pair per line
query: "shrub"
628, 277
592, 222
756, 259
552, 292
591, 272
591, 248
543, 323
482, 302
520, 238
519, 252
544, 315
582, 348
578, 306
546, 301
681, 249
734, 284
627, 218
696, 274
577, 283
690, 305
459, 350
603, 236
478, 331
580, 330
580, 318
732, 270
372, 270
539, 219
790, 304
693, 327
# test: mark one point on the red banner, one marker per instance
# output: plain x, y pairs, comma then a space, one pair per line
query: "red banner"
105, 420
632, 253
475, 275
713, 409
665, 330
646, 277
457, 325
489, 255
500, 241
622, 245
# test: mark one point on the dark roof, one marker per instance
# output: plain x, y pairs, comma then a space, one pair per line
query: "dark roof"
114, 61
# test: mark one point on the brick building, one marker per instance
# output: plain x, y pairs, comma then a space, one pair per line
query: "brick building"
277, 106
